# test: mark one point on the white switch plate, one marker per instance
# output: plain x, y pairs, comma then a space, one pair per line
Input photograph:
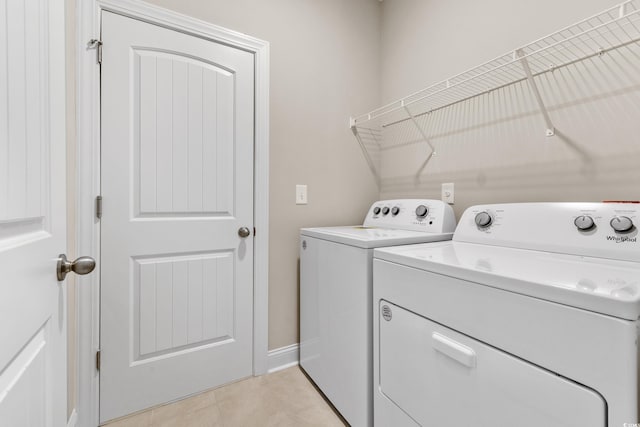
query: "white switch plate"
447, 192
301, 194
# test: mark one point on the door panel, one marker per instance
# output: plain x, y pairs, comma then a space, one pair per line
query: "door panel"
172, 307
26, 403
21, 207
33, 379
177, 184
174, 93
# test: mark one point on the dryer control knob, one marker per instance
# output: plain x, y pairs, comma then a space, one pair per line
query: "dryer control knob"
376, 210
385, 210
621, 224
483, 219
395, 211
584, 223
422, 211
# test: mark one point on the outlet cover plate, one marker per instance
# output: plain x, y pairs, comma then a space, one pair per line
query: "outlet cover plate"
448, 192
301, 194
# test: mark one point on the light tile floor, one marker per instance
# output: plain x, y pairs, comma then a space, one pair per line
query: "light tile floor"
285, 398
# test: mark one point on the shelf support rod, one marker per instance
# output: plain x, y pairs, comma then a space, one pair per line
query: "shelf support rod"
354, 129
534, 88
424, 135
622, 12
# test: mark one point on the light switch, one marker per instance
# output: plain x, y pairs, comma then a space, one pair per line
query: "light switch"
447, 192
301, 194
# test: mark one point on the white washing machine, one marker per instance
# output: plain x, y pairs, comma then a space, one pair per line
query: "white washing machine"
528, 318
336, 296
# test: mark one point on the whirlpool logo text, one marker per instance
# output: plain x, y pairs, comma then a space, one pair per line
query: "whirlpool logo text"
622, 239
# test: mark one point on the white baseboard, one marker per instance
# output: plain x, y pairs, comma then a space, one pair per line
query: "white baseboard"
283, 357
73, 419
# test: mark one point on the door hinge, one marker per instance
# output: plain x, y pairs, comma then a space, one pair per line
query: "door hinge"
99, 207
98, 360
97, 45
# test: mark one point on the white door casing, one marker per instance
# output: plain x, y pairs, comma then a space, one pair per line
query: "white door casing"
33, 379
177, 184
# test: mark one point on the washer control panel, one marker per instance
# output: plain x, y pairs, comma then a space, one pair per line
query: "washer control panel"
432, 216
605, 230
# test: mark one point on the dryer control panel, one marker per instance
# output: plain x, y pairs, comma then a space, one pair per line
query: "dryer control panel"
432, 216
604, 230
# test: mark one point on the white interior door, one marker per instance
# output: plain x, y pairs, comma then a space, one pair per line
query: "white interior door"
33, 383
177, 185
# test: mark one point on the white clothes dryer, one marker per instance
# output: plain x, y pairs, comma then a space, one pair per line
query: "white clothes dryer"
336, 303
528, 317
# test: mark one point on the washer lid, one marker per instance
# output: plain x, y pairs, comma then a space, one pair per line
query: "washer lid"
373, 237
605, 286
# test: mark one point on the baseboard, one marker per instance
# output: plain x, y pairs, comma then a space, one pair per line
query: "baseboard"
283, 357
73, 419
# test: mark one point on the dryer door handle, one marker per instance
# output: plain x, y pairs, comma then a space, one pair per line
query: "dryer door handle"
453, 349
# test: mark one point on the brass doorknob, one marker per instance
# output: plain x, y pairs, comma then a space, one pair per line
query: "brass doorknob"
82, 265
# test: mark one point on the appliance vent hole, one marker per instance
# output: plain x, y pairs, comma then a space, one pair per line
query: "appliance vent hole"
386, 313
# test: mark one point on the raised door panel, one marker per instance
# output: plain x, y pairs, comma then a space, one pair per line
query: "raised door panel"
24, 131
185, 108
182, 302
23, 386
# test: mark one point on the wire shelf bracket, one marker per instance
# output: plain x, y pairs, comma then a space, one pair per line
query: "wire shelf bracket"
536, 93
365, 151
422, 133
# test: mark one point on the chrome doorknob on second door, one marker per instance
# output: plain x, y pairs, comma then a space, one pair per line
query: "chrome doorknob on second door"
244, 232
82, 265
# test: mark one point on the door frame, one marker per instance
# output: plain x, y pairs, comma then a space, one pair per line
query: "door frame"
88, 15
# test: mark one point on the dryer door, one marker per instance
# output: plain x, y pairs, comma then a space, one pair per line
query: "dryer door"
439, 377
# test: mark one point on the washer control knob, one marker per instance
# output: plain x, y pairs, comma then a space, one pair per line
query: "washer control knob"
376, 210
584, 223
422, 211
483, 219
395, 211
621, 224
385, 210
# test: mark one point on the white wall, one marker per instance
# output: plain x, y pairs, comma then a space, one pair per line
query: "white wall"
494, 147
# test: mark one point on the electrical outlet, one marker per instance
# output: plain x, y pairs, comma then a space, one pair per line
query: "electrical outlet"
447, 192
301, 194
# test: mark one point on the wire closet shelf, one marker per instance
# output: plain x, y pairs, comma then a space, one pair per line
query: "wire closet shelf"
611, 29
